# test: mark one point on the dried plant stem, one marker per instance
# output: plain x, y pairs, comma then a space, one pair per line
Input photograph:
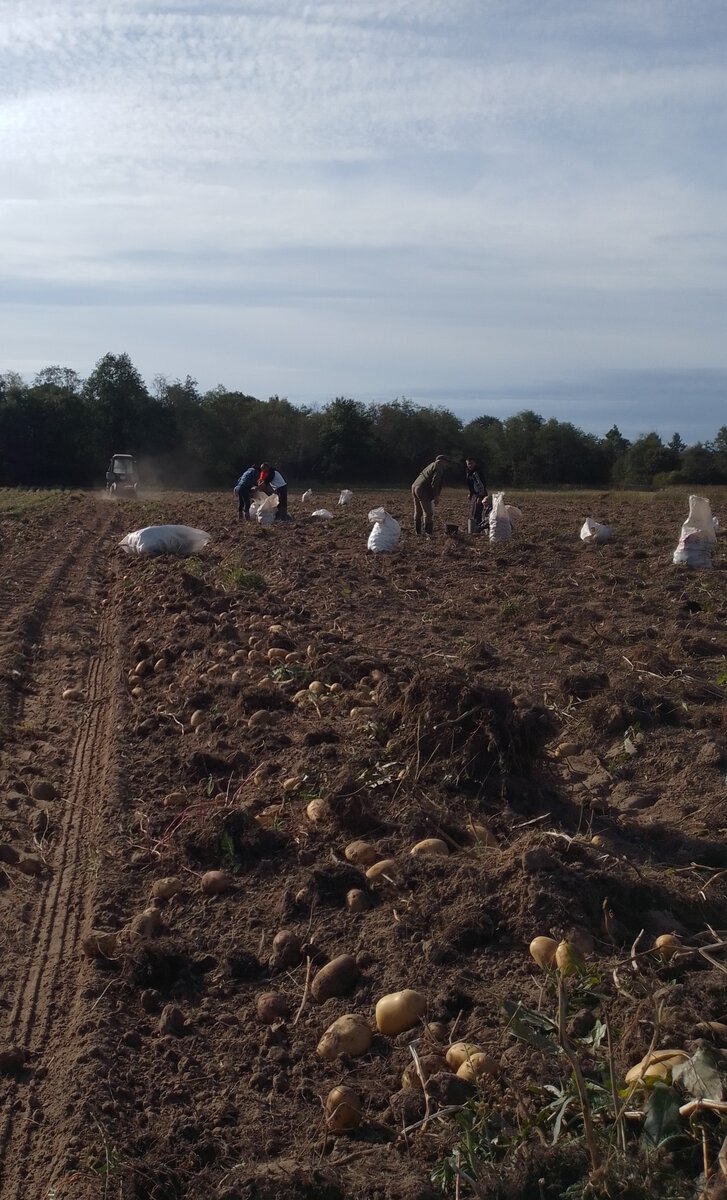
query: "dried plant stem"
572, 1057
618, 1119
305, 993
422, 1080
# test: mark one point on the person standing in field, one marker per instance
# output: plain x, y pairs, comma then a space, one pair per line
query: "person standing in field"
243, 489
426, 490
479, 500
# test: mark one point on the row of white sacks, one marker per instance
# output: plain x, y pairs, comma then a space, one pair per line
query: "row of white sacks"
697, 538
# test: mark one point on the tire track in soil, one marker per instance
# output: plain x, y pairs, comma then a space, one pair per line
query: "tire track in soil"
48, 999
26, 600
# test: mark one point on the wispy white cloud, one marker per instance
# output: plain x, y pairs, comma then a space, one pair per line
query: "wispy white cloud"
450, 182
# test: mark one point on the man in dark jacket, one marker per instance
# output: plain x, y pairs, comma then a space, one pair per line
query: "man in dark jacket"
480, 503
425, 492
243, 489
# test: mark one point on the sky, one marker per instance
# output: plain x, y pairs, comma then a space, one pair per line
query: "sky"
485, 204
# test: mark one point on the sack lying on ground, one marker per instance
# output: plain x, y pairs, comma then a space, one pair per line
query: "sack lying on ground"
697, 536
346, 497
307, 496
500, 523
263, 511
593, 532
515, 514
386, 532
165, 539
324, 513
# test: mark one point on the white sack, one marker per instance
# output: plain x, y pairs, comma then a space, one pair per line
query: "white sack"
697, 536
593, 532
515, 514
500, 523
263, 511
346, 497
323, 513
384, 536
165, 539
307, 496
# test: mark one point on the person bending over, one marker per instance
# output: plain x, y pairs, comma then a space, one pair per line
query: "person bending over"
426, 490
243, 489
270, 480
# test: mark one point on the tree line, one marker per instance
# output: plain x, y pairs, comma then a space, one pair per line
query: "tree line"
61, 430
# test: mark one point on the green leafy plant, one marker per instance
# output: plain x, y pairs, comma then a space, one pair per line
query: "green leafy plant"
243, 580
229, 853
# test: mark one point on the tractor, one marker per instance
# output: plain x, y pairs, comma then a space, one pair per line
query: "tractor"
121, 476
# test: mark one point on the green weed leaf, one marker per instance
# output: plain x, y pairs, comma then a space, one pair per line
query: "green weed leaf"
662, 1117
531, 1027
700, 1075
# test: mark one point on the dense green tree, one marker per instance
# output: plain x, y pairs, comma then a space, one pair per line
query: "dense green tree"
119, 403
60, 430
700, 464
346, 441
615, 444
645, 458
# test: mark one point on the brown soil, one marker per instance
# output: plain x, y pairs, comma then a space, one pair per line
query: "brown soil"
147, 1074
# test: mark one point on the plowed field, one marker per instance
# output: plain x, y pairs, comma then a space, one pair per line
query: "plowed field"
552, 713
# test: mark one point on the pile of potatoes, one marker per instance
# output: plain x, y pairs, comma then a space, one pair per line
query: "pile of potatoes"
395, 1013
382, 869
568, 956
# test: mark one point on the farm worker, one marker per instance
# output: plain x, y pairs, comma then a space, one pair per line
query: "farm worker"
479, 500
243, 489
270, 480
425, 491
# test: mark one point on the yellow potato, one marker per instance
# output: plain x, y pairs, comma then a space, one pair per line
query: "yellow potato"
350, 1034
481, 835
476, 1067
384, 870
335, 978
543, 949
430, 848
317, 810
459, 1052
361, 854
343, 1110
399, 1011
167, 887
667, 945
567, 959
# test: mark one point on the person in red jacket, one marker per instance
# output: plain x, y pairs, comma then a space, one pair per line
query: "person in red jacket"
270, 480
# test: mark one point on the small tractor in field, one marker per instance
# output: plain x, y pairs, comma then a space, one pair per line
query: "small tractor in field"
121, 476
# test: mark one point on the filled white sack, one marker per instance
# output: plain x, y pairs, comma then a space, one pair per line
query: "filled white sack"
165, 539
263, 511
500, 523
385, 533
593, 532
697, 537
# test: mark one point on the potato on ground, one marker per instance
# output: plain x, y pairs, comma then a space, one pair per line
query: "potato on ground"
350, 1034
400, 1011
336, 978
